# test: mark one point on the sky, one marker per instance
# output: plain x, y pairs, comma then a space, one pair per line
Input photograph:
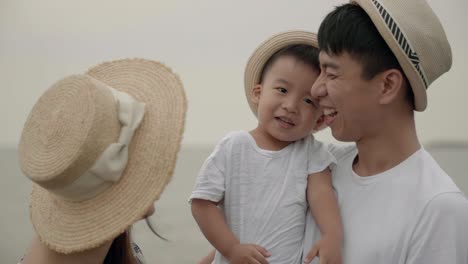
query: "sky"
207, 43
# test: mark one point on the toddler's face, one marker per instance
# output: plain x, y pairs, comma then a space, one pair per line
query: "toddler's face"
286, 111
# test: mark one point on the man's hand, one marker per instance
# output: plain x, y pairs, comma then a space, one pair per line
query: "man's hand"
247, 254
327, 249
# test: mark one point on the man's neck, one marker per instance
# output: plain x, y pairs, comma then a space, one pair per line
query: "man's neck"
395, 142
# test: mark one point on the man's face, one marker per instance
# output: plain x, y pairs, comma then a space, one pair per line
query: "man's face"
350, 102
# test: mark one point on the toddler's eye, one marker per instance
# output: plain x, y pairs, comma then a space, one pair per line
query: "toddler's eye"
310, 101
282, 90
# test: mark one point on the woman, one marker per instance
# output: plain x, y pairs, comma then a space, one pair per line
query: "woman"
99, 149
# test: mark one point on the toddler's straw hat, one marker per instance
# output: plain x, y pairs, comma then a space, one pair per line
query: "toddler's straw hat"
267, 49
100, 148
415, 35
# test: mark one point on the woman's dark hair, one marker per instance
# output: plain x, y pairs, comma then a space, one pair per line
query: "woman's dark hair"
121, 250
302, 52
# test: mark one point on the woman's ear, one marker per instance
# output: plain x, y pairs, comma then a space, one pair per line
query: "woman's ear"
255, 93
392, 85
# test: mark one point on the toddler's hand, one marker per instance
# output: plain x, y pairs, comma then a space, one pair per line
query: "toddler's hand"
328, 250
247, 254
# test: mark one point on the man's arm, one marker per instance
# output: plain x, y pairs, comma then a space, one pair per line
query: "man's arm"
441, 235
324, 208
213, 225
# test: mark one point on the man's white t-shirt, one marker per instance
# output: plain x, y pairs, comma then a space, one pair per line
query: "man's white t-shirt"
412, 213
262, 193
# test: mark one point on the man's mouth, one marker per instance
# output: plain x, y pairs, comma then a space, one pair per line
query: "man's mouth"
329, 115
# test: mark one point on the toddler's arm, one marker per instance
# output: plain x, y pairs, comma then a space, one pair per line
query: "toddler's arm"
213, 226
324, 207
208, 259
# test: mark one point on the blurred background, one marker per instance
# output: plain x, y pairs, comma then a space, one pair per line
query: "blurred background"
207, 43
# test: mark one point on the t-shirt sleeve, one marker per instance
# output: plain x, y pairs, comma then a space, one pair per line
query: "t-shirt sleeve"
339, 151
441, 235
319, 157
210, 183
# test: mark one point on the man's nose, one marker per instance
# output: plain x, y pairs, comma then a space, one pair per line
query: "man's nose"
318, 89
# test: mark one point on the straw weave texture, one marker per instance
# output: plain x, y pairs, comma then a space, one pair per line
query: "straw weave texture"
67, 226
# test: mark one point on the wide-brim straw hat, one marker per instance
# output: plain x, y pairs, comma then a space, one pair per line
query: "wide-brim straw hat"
71, 125
265, 50
415, 35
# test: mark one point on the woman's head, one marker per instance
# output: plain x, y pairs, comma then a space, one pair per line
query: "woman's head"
100, 148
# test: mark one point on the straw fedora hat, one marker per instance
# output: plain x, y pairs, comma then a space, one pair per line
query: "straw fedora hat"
100, 147
415, 35
268, 48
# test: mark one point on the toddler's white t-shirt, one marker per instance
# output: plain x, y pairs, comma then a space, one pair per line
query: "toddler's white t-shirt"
262, 193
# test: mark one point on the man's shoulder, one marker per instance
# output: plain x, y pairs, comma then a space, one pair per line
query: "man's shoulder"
449, 203
446, 210
430, 176
440, 235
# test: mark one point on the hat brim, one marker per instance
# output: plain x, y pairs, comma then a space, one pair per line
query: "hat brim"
67, 226
260, 56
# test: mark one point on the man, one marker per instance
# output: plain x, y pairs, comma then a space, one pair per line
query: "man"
377, 58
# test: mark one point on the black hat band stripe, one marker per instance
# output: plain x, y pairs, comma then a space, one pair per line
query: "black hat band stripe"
401, 40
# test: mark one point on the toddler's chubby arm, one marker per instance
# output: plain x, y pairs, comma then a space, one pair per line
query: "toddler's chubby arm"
213, 226
324, 207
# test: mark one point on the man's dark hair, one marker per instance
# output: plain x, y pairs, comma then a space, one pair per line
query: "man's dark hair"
302, 52
349, 29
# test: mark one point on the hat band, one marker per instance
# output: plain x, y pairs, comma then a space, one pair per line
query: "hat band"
108, 168
402, 41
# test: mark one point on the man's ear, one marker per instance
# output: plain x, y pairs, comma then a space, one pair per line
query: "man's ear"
255, 93
392, 82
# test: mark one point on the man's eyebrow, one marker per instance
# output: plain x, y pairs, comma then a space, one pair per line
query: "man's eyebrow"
329, 64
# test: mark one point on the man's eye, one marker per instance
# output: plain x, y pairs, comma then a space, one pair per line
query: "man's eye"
331, 76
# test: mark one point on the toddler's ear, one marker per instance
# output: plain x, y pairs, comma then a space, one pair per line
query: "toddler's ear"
255, 94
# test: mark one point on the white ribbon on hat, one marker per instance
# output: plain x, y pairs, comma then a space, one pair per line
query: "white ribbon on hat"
109, 166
